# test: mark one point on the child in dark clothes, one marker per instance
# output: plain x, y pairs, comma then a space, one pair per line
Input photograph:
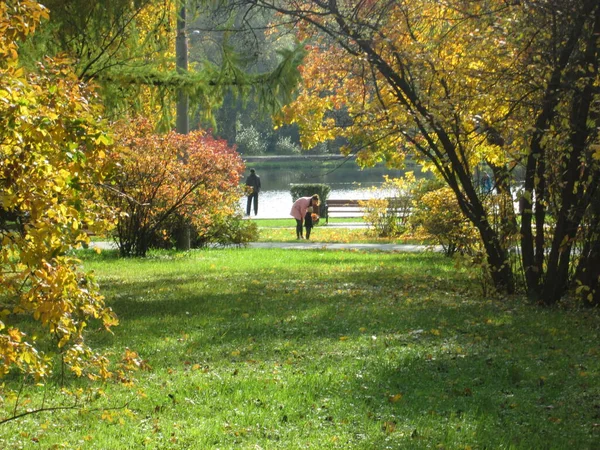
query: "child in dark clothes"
308, 222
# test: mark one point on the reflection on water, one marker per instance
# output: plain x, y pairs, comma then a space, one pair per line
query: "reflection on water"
347, 176
346, 182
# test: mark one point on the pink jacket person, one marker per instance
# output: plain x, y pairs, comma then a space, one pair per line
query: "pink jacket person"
299, 208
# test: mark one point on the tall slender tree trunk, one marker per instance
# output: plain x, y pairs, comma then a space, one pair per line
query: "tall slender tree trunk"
588, 270
181, 54
182, 121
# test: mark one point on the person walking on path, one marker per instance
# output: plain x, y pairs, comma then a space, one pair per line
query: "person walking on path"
253, 181
300, 210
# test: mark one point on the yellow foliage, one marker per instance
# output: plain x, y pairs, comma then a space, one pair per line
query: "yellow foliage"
52, 159
425, 62
438, 217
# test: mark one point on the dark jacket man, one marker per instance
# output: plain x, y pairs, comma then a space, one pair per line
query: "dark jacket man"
253, 181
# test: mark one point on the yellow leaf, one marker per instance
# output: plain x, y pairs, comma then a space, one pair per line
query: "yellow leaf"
395, 398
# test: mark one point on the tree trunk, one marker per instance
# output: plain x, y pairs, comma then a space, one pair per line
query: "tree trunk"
183, 123
508, 218
576, 191
588, 272
497, 257
181, 50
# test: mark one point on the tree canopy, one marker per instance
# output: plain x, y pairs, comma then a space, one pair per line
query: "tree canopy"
128, 49
512, 85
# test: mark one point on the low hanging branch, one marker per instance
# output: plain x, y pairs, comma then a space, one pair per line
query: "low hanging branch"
272, 88
61, 408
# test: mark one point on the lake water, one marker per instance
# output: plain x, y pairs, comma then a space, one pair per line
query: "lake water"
346, 182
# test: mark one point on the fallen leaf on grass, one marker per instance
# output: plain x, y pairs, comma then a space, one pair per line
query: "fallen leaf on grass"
389, 426
395, 398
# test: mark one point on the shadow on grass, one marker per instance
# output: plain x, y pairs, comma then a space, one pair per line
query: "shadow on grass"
388, 346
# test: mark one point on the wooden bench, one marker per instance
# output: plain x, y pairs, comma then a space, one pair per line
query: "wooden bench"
343, 207
352, 208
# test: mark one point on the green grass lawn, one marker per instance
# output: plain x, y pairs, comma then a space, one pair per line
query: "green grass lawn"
286, 349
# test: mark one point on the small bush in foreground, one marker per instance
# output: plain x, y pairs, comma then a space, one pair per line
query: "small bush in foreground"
229, 230
388, 212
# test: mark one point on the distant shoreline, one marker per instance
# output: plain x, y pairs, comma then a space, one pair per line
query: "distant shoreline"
276, 158
324, 162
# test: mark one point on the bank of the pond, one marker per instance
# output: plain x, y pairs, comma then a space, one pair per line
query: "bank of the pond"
345, 179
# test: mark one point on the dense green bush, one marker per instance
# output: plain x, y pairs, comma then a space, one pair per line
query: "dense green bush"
310, 189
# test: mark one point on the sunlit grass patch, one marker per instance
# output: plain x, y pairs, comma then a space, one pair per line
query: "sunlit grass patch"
286, 223
331, 235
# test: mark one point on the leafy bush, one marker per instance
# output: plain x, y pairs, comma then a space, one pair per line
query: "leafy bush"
382, 220
167, 181
321, 148
285, 146
229, 230
250, 141
388, 211
438, 217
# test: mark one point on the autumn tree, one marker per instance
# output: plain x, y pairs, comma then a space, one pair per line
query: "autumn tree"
558, 116
53, 155
458, 84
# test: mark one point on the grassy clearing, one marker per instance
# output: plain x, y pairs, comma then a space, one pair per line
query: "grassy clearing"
287, 223
282, 230
281, 349
332, 235
319, 234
